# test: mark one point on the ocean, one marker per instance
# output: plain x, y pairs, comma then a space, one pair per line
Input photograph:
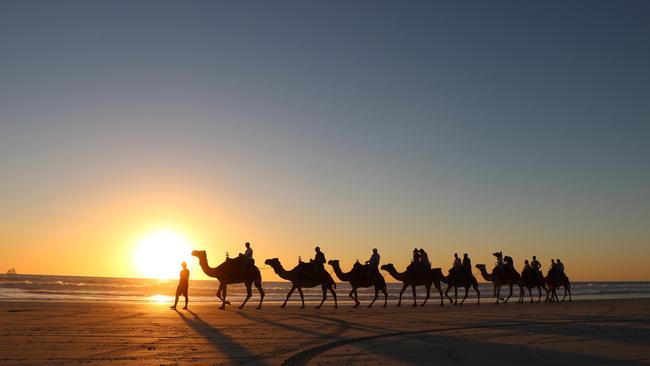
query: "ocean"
81, 288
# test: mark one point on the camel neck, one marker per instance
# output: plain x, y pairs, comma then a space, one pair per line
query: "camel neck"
343, 276
487, 276
280, 271
397, 275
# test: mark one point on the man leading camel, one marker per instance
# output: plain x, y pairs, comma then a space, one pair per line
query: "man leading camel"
183, 285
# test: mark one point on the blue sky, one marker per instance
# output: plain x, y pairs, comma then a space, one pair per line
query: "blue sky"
463, 124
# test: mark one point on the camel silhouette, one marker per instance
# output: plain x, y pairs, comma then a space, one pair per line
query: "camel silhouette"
412, 279
304, 275
554, 279
459, 278
230, 272
530, 280
498, 279
359, 276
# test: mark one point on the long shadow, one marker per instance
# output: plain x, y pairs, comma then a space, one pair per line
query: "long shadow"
282, 325
420, 346
221, 342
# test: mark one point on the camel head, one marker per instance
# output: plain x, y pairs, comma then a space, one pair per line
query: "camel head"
333, 262
199, 253
273, 262
497, 254
480, 266
388, 267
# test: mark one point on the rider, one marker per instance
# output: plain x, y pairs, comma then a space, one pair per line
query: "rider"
553, 265
425, 265
457, 262
526, 266
559, 265
467, 263
248, 256
319, 260
373, 262
535, 264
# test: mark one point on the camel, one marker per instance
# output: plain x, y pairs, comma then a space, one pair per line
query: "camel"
230, 272
499, 279
500, 276
411, 279
530, 280
458, 279
358, 276
554, 279
304, 275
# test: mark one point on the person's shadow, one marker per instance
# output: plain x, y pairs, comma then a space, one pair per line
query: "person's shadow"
222, 343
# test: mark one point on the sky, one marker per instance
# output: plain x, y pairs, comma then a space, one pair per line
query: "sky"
450, 126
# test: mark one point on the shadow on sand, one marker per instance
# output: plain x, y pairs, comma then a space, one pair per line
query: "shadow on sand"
231, 350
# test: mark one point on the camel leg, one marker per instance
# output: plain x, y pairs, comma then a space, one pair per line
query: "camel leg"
323, 299
455, 295
351, 294
224, 292
451, 301
509, 294
258, 285
302, 297
336, 304
219, 291
428, 288
383, 289
374, 298
356, 297
564, 297
249, 293
399, 302
442, 303
465, 297
415, 301
497, 292
530, 292
293, 288
568, 288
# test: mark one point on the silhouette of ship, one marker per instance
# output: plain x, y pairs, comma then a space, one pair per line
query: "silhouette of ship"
11, 271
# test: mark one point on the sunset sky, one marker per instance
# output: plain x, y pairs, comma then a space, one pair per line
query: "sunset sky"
455, 127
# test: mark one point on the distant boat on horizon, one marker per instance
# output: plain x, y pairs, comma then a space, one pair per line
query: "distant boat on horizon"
11, 271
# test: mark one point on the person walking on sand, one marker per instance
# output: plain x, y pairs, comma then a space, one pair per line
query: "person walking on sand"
183, 285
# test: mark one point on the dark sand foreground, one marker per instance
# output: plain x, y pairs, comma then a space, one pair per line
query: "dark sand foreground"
613, 332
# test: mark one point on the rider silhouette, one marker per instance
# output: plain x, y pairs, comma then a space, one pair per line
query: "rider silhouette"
467, 263
319, 260
373, 262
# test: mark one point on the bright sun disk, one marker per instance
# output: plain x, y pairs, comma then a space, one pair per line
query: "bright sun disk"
159, 254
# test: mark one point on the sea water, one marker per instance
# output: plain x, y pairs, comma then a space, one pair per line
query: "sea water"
82, 288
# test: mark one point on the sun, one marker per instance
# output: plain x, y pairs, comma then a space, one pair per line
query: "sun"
159, 254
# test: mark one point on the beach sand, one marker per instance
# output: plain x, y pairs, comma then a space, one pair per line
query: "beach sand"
608, 332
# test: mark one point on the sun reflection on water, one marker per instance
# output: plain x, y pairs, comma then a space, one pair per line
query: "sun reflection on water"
160, 299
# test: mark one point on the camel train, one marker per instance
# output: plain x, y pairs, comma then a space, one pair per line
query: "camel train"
242, 269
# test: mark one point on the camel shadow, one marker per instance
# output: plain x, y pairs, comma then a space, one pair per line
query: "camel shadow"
234, 352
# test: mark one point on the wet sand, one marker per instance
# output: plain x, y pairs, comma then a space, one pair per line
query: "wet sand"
609, 332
